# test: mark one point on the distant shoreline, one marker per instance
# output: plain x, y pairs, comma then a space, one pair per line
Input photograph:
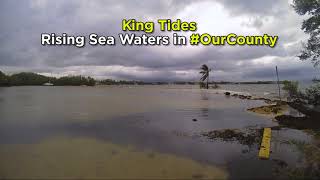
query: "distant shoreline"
154, 83
34, 79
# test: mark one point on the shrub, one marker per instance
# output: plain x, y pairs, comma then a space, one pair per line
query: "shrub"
312, 95
291, 87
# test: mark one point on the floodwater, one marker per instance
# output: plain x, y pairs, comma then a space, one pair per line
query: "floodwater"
133, 132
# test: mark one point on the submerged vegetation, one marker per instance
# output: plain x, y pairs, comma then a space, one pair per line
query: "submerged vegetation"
249, 137
311, 167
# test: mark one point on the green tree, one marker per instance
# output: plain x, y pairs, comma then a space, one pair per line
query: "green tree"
312, 94
108, 82
4, 80
28, 79
74, 81
205, 71
311, 50
292, 88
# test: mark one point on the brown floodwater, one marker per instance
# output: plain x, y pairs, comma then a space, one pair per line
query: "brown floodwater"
133, 132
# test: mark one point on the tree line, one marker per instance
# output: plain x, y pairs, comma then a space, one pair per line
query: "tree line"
33, 79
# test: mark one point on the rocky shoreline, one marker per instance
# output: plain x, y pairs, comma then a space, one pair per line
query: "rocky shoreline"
277, 109
308, 122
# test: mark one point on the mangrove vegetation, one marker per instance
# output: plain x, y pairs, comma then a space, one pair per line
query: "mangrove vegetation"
33, 79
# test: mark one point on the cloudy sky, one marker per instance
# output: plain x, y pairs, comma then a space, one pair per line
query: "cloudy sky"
23, 21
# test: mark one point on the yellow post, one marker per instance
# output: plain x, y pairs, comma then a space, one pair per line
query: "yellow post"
264, 152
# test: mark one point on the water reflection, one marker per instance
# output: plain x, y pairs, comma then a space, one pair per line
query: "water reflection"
204, 112
204, 96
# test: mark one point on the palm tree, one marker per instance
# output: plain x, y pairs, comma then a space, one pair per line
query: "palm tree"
205, 74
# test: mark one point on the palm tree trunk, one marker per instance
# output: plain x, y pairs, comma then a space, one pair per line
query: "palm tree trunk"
208, 81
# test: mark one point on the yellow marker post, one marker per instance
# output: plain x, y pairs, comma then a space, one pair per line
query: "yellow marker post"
264, 152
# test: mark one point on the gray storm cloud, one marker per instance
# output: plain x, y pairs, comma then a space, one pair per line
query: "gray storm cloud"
22, 23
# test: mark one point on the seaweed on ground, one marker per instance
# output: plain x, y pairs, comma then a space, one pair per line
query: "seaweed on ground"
270, 109
248, 137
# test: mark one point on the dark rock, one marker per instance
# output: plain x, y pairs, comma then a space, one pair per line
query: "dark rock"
227, 93
194, 120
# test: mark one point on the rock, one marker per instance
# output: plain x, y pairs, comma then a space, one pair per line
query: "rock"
194, 120
227, 93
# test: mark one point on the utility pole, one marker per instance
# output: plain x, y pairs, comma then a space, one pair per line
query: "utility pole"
278, 82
